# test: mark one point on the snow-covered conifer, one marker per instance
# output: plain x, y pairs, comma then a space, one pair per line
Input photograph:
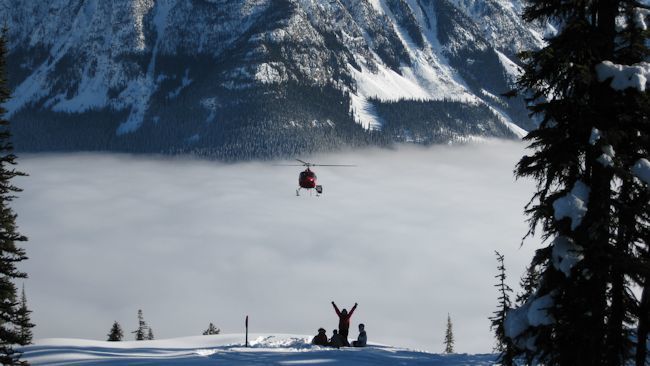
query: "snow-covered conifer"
115, 334
10, 253
449, 336
150, 336
588, 85
140, 333
504, 345
212, 330
24, 321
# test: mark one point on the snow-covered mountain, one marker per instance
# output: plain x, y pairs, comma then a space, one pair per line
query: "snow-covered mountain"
229, 350
261, 77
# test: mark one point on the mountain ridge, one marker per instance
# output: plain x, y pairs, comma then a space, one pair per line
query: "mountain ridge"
204, 76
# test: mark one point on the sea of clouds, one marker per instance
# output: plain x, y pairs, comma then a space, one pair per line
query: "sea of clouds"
409, 234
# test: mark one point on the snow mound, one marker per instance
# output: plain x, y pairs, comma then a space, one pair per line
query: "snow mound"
642, 170
607, 158
573, 205
531, 314
595, 136
538, 311
624, 76
566, 254
229, 349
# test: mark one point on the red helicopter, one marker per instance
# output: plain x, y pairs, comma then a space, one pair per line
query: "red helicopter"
307, 178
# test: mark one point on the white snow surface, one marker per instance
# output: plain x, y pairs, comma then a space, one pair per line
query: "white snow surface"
595, 136
516, 321
538, 311
607, 158
430, 77
624, 76
364, 112
573, 205
642, 170
514, 71
640, 18
139, 91
533, 313
229, 349
566, 254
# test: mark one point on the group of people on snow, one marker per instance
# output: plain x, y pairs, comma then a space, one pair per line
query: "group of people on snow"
340, 338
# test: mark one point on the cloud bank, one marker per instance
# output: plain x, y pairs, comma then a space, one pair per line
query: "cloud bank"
409, 234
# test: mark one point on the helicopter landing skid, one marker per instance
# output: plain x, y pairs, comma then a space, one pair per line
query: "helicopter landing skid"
319, 191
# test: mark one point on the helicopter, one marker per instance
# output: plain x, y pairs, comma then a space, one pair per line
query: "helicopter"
307, 178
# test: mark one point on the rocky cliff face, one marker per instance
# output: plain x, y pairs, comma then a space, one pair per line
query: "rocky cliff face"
261, 78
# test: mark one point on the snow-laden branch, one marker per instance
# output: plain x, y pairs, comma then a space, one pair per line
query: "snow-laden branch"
624, 76
572, 205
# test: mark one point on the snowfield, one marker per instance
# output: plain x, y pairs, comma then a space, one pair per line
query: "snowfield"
264, 349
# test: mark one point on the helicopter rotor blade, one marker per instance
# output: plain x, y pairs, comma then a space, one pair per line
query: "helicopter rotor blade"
343, 165
307, 164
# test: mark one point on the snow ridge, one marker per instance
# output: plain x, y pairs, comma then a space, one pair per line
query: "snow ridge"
119, 56
230, 350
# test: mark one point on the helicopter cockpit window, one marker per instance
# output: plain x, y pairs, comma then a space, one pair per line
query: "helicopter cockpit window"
305, 175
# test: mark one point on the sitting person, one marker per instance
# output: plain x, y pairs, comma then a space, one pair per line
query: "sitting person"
362, 339
336, 341
320, 339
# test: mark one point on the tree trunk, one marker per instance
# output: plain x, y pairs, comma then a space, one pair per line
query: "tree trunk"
616, 337
607, 12
644, 324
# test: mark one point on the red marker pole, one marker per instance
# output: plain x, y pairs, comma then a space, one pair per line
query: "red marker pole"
246, 330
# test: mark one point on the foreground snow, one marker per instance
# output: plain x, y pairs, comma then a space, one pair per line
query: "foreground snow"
230, 350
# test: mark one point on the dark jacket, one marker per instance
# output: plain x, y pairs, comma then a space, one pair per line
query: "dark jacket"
362, 340
344, 320
320, 339
336, 341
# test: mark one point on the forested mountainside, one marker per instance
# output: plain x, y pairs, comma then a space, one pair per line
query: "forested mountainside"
261, 78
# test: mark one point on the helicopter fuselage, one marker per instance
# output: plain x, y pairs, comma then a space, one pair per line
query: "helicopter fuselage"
307, 179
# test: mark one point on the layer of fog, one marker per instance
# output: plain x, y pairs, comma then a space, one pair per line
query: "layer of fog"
408, 234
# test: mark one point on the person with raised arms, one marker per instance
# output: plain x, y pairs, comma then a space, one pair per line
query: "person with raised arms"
344, 322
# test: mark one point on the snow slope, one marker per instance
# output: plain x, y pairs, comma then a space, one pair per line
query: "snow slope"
265, 349
133, 75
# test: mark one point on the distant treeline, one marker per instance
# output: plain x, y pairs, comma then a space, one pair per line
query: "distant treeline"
430, 122
278, 120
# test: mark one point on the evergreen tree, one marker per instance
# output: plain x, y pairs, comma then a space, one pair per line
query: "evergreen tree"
212, 330
449, 337
504, 345
592, 198
150, 334
140, 333
115, 334
24, 322
10, 253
